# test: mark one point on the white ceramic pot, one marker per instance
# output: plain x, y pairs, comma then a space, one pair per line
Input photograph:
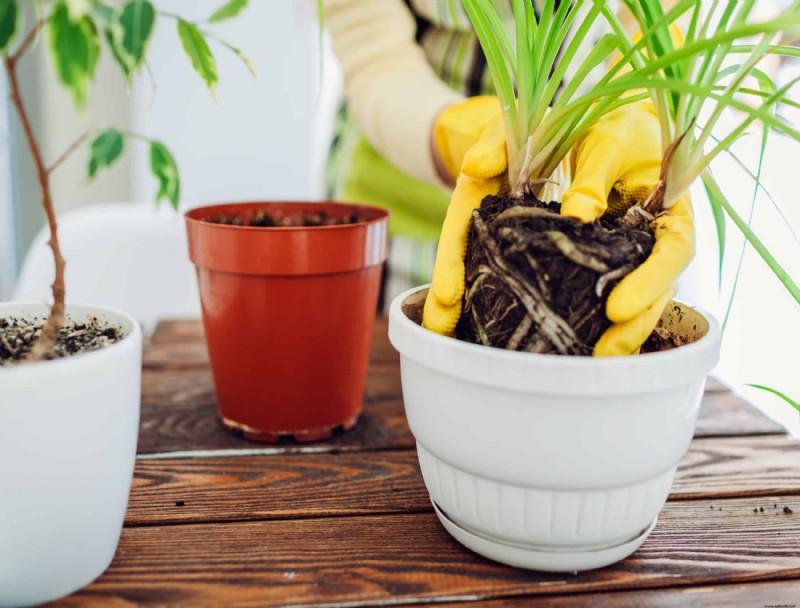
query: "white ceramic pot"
543, 461
68, 431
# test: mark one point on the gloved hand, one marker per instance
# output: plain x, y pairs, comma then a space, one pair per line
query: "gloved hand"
615, 164
470, 139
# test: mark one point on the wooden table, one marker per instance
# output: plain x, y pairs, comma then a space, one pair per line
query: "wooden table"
216, 521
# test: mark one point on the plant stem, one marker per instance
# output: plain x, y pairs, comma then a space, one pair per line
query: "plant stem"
47, 338
28, 40
66, 154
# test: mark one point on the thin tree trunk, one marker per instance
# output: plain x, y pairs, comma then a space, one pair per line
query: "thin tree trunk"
47, 339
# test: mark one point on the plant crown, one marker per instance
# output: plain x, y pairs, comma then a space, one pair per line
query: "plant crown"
686, 81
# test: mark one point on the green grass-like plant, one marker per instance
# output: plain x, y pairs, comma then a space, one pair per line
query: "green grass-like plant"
690, 83
691, 87
542, 123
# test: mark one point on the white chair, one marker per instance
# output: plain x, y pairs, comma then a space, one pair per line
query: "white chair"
128, 256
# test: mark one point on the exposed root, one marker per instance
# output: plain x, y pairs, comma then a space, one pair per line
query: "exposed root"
568, 248
537, 281
614, 275
549, 323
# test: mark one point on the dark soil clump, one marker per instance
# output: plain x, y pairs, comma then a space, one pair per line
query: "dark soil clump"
17, 336
264, 219
537, 281
658, 342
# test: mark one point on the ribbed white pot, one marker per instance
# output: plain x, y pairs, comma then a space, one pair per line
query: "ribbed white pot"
543, 461
68, 431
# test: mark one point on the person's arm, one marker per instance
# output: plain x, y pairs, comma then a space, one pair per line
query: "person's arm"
393, 93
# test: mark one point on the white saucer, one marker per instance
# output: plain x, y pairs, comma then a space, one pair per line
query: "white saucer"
537, 557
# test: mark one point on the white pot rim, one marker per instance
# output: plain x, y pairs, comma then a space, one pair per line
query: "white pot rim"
130, 326
553, 374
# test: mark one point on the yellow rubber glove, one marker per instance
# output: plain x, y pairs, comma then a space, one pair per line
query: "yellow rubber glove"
471, 141
615, 165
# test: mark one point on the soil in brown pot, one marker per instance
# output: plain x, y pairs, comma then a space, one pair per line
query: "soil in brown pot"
264, 219
18, 335
537, 281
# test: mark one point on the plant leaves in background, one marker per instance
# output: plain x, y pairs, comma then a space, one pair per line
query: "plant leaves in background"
105, 149
245, 59
163, 166
129, 32
74, 48
198, 52
229, 10
103, 12
77, 9
777, 393
8, 21
118, 57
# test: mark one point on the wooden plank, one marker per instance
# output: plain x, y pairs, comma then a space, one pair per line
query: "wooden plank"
757, 595
724, 414
181, 344
370, 560
738, 467
195, 386
177, 379
181, 428
178, 329
280, 486
179, 413
259, 487
250, 488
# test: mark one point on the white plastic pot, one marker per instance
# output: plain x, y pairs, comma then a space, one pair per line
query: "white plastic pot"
68, 431
543, 461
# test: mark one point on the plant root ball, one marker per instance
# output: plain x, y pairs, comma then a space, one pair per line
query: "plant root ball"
538, 282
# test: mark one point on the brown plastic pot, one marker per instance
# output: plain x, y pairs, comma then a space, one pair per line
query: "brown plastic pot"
288, 315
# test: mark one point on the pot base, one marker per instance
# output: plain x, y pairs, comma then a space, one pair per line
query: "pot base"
302, 436
534, 557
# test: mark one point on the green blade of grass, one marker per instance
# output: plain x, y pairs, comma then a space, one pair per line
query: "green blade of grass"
715, 195
777, 393
765, 254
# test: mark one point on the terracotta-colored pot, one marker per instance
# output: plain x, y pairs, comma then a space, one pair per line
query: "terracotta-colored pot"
288, 314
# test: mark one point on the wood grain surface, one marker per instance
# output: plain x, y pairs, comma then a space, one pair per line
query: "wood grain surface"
371, 559
785, 594
179, 407
280, 486
214, 520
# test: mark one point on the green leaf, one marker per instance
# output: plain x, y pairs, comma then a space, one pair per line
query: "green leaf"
228, 11
120, 59
105, 149
196, 48
78, 9
129, 32
165, 170
777, 393
9, 13
245, 59
74, 48
715, 197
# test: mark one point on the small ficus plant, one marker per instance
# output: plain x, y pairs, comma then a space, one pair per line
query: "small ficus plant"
75, 32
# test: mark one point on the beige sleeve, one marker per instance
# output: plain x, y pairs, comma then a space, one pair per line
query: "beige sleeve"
392, 91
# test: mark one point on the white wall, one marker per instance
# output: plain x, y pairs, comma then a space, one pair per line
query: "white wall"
7, 252
257, 140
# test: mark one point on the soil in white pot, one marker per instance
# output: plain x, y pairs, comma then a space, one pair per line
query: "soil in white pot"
538, 282
17, 337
